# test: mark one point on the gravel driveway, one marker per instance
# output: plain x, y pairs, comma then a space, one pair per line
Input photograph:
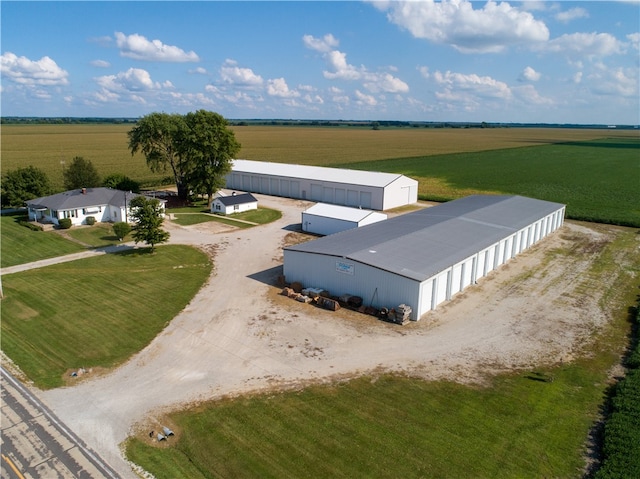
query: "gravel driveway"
237, 335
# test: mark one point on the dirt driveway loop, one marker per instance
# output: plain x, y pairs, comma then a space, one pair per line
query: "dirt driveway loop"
237, 335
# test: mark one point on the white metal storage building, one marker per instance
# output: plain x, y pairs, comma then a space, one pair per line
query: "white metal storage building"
324, 219
423, 258
355, 188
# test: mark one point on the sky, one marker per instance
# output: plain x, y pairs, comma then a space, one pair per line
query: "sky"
420, 60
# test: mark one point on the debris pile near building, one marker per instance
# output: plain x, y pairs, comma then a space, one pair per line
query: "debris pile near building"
322, 298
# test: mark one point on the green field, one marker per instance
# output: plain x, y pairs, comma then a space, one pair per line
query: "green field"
95, 312
598, 180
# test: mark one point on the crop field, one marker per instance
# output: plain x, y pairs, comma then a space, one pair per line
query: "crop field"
50, 147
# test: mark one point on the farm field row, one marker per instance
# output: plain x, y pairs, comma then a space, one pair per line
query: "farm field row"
50, 147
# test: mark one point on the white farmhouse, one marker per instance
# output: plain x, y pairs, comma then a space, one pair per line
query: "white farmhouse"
423, 258
235, 203
103, 204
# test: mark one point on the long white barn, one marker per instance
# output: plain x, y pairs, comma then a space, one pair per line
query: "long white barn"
355, 188
423, 258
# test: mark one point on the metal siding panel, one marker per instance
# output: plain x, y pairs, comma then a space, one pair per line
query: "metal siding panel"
376, 287
284, 188
352, 198
246, 182
327, 194
295, 189
264, 185
365, 199
275, 186
316, 192
455, 279
441, 285
340, 196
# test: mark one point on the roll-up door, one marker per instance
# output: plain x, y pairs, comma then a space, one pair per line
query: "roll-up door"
316, 192
264, 185
365, 199
295, 189
352, 198
275, 186
284, 188
340, 196
327, 195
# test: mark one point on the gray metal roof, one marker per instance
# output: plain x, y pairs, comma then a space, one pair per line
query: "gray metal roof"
240, 199
420, 244
319, 173
73, 199
354, 215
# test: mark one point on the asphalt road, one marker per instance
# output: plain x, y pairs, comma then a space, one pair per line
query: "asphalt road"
35, 444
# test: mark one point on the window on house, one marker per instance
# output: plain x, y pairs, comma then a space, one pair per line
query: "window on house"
218, 207
236, 207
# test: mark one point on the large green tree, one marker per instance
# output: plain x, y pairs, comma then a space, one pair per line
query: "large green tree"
147, 215
118, 181
24, 184
80, 174
210, 145
156, 135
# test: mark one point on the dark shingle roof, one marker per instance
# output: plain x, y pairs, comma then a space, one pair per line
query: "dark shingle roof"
77, 199
237, 199
419, 245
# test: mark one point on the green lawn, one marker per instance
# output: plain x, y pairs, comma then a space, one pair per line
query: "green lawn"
97, 235
97, 311
21, 245
388, 428
597, 180
192, 216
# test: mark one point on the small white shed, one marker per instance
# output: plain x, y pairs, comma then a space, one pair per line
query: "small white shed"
236, 203
324, 219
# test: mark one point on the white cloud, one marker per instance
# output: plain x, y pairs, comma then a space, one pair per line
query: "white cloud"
424, 72
278, 87
44, 72
198, 71
530, 96
571, 14
340, 69
529, 74
139, 48
577, 78
100, 63
364, 99
455, 22
615, 82
634, 40
132, 80
585, 44
480, 86
323, 45
231, 73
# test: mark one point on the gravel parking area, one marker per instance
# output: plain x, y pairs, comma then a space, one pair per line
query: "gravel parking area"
238, 335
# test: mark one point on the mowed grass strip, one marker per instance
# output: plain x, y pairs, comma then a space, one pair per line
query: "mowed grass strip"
597, 180
97, 235
389, 427
95, 312
21, 245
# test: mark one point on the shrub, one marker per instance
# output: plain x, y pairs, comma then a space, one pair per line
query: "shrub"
65, 223
121, 229
31, 226
90, 220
